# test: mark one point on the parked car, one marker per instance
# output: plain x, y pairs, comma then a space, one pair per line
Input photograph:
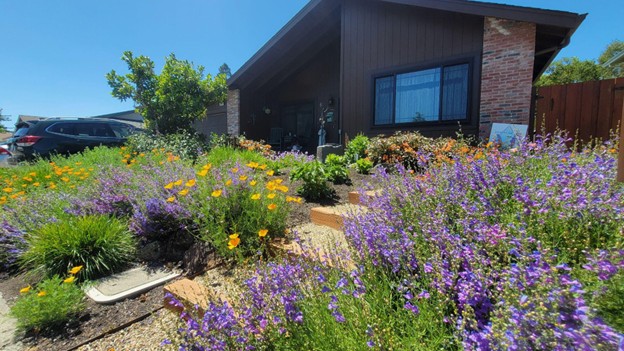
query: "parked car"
4, 155
69, 136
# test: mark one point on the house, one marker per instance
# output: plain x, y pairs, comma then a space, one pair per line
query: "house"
129, 117
379, 66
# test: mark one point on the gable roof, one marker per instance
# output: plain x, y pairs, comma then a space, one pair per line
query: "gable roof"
554, 29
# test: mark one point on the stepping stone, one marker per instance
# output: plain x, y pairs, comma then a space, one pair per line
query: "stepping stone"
189, 293
128, 284
333, 216
354, 196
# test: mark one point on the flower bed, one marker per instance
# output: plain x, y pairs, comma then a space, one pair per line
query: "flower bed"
488, 250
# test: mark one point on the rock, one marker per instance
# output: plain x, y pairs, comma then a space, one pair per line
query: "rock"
199, 258
150, 251
324, 150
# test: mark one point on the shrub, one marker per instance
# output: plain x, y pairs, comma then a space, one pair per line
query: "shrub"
412, 150
239, 207
336, 169
101, 244
183, 144
12, 245
314, 178
356, 148
363, 165
53, 303
240, 142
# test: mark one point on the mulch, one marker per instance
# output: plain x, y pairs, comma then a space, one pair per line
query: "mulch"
99, 320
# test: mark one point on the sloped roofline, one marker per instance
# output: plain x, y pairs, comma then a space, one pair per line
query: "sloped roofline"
563, 19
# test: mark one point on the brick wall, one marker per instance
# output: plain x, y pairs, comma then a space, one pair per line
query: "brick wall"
507, 73
233, 112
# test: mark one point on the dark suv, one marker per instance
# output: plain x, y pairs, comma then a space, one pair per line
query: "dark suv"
65, 136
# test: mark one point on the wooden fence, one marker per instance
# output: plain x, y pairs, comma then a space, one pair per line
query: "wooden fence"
591, 109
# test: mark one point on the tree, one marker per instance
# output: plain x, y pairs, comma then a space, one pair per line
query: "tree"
573, 70
3, 118
169, 101
225, 69
616, 47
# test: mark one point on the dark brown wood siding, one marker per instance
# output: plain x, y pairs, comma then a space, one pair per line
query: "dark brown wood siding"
380, 38
315, 80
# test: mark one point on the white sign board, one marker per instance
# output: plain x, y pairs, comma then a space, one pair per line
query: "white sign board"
508, 135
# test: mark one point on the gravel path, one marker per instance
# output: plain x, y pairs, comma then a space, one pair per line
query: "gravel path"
146, 335
7, 329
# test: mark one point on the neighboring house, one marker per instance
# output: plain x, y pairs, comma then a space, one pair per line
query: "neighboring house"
388, 65
616, 61
214, 122
129, 117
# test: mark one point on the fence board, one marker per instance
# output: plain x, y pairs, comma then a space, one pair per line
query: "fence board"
591, 109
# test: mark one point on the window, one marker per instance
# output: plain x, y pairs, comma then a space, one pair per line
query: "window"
62, 128
437, 94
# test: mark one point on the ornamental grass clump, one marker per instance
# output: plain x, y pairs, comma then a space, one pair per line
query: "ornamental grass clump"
99, 243
50, 305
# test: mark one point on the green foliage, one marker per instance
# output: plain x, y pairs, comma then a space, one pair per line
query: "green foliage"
363, 165
314, 177
356, 149
172, 100
336, 169
410, 149
614, 48
571, 70
3, 119
235, 203
186, 145
100, 244
224, 155
49, 307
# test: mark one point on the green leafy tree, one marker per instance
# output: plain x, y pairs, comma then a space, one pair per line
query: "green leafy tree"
571, 70
615, 48
172, 100
3, 118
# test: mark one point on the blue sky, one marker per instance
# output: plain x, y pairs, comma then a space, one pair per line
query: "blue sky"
54, 54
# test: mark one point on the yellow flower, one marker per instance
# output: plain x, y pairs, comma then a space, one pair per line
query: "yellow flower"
178, 182
234, 241
25, 290
253, 165
32, 174
52, 186
234, 170
279, 181
69, 280
263, 232
229, 182
183, 192
202, 173
171, 199
271, 196
216, 193
253, 182
36, 184
270, 173
75, 270
271, 186
42, 293
255, 197
207, 167
48, 176
8, 190
65, 179
191, 183
169, 186
271, 207
243, 178
262, 167
282, 188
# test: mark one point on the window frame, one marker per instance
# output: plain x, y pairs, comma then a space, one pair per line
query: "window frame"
423, 67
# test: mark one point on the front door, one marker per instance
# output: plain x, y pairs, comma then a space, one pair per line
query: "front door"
298, 122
